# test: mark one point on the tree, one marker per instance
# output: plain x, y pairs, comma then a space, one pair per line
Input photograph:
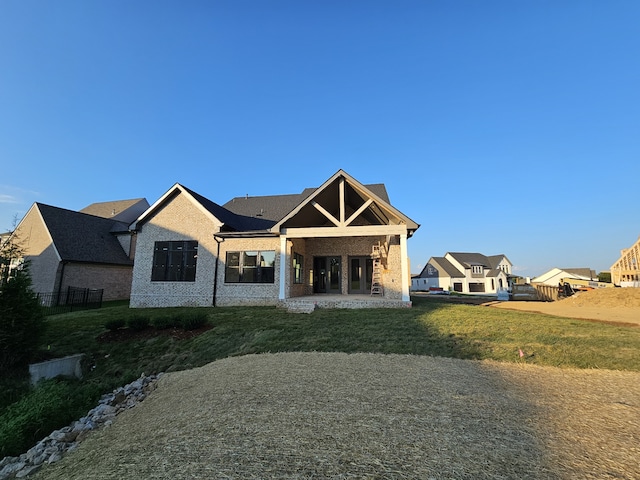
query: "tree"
21, 317
604, 277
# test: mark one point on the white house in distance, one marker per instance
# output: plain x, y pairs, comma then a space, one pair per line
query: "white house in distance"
553, 276
464, 273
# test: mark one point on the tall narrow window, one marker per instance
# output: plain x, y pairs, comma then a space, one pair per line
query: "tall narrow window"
174, 261
298, 262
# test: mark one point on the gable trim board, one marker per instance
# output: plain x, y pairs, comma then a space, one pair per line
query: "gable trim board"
341, 220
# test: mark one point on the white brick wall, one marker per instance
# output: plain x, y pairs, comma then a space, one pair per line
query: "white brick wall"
180, 219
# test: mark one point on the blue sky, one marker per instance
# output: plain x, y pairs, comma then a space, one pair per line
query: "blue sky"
500, 126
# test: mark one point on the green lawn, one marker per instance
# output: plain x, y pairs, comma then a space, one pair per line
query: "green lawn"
431, 327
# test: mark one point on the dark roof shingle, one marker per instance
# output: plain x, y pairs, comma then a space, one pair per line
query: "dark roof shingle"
79, 237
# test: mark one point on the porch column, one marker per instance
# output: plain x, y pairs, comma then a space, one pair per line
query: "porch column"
283, 266
404, 269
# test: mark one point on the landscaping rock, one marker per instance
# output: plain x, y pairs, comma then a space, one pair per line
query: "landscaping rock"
52, 448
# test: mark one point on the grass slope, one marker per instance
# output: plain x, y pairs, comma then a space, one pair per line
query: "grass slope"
431, 327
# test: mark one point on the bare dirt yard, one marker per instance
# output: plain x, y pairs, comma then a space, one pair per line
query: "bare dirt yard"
344, 416
616, 305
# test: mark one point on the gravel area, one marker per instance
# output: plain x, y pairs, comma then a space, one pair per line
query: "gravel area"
334, 415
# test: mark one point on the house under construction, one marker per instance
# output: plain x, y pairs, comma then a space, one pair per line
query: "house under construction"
626, 271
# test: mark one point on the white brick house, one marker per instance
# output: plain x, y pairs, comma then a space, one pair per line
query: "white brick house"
267, 250
465, 273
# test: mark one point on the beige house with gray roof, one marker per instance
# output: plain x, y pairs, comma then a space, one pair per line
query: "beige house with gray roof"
341, 244
90, 249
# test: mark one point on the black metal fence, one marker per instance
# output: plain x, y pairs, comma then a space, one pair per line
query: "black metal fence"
73, 298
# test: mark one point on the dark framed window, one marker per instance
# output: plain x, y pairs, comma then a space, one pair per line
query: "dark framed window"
174, 261
298, 262
250, 267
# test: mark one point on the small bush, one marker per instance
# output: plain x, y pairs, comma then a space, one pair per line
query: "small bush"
115, 324
51, 405
138, 323
162, 323
193, 321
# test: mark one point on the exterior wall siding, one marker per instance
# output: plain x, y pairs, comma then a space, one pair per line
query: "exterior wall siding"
33, 238
299, 245
114, 280
248, 293
180, 219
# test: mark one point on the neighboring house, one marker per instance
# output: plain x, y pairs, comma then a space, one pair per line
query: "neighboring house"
465, 273
66, 248
553, 276
125, 211
269, 250
626, 271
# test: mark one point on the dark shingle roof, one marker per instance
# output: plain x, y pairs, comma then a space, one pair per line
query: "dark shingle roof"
276, 207
125, 211
269, 207
79, 237
447, 266
468, 259
584, 272
232, 220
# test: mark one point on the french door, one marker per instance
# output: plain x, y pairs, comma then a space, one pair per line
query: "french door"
326, 275
360, 269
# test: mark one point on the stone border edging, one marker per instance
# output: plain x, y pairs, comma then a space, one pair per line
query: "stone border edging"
51, 448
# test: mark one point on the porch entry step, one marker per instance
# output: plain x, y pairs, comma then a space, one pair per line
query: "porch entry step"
301, 307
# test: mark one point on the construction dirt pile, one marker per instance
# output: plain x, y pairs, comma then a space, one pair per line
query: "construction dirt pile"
606, 297
610, 305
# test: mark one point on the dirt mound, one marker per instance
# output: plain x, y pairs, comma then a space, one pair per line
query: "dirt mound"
609, 305
605, 297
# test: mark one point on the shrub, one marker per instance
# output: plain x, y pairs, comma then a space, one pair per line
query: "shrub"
162, 323
21, 321
115, 324
193, 321
51, 405
138, 323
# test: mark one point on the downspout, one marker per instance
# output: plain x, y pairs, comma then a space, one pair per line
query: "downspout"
218, 240
59, 287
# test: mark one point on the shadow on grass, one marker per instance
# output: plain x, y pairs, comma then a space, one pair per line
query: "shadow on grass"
241, 331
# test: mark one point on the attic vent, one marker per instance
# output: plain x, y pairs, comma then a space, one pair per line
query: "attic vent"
113, 212
261, 213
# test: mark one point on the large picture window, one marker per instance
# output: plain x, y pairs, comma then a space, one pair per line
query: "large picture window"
174, 261
250, 267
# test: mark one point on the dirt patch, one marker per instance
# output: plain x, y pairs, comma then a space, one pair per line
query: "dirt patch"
127, 334
611, 305
312, 415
